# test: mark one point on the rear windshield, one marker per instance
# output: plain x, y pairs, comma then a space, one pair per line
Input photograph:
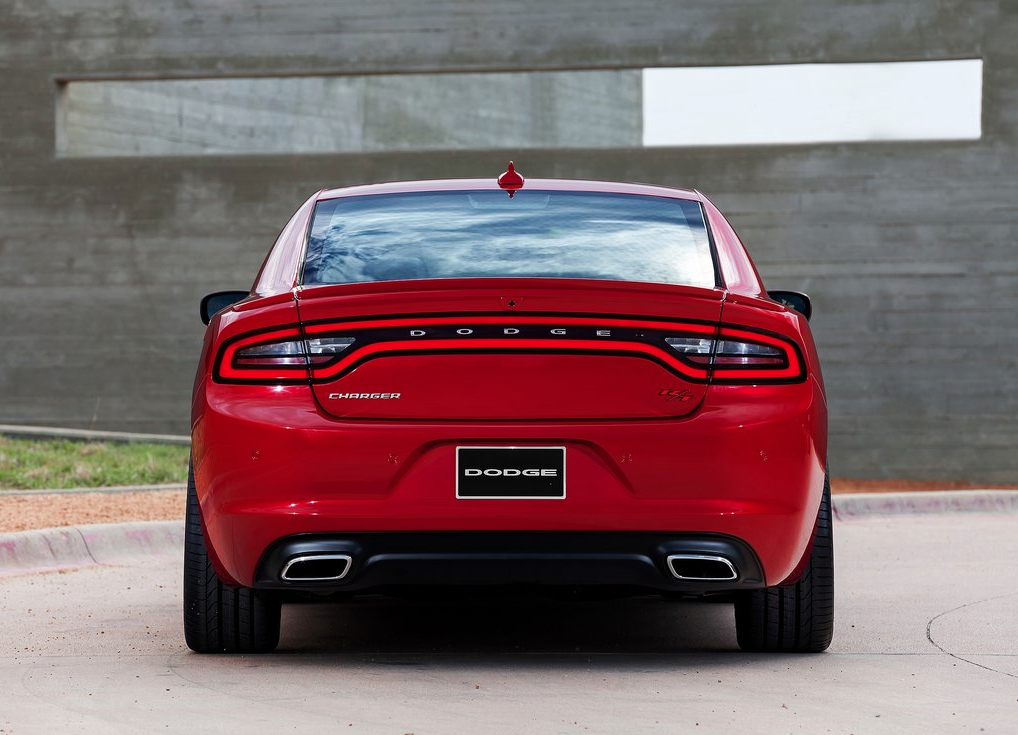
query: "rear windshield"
485, 234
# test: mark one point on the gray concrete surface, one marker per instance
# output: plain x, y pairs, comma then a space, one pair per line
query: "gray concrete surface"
352, 114
907, 248
926, 642
863, 505
73, 547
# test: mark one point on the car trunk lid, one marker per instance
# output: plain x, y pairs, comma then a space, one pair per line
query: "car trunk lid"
509, 349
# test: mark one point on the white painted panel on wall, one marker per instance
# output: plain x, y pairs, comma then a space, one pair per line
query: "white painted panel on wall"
812, 103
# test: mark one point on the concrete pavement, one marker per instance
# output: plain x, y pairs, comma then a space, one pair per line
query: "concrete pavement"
926, 641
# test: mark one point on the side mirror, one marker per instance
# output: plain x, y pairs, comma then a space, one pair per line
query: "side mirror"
216, 302
794, 300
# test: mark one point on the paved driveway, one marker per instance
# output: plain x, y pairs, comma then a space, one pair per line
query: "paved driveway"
926, 642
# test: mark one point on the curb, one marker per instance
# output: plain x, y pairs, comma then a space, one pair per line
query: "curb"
86, 490
72, 547
864, 505
53, 432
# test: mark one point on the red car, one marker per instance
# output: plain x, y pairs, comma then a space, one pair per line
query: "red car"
542, 383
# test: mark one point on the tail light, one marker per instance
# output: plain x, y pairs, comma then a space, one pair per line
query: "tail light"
743, 356
281, 356
697, 352
323, 349
290, 352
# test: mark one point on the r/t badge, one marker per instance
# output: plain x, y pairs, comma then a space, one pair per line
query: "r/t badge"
675, 394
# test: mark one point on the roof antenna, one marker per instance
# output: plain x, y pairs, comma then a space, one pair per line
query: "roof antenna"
510, 180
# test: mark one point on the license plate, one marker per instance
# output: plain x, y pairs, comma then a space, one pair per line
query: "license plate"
511, 472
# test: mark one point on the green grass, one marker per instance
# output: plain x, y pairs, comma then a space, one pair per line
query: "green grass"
29, 464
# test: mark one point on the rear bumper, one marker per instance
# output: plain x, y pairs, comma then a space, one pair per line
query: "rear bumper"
270, 468
328, 563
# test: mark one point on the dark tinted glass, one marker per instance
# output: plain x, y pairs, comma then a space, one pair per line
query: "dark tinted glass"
484, 234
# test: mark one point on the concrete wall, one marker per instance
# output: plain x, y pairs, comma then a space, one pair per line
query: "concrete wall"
909, 249
350, 114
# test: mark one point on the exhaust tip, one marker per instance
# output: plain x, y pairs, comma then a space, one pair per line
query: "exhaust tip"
701, 568
317, 568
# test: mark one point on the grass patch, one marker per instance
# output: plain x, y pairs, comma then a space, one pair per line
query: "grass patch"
29, 464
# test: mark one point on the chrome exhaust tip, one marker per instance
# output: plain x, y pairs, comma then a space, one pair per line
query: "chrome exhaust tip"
701, 568
317, 568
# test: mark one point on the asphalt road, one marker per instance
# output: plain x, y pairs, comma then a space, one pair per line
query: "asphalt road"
926, 642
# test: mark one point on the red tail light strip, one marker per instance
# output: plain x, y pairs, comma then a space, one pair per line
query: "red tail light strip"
793, 371
446, 346
418, 346
231, 369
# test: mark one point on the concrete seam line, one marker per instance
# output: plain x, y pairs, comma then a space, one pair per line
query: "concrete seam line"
74, 547
111, 542
85, 542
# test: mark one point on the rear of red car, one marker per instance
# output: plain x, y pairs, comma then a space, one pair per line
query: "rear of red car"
438, 384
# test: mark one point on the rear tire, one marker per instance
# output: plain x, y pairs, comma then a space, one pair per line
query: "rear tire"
220, 618
797, 618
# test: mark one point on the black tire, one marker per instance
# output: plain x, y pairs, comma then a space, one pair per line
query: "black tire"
219, 618
797, 618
